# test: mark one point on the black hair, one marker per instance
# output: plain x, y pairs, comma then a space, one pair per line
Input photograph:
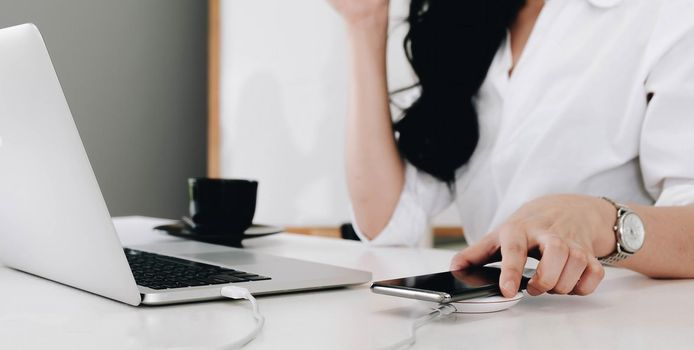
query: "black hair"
450, 45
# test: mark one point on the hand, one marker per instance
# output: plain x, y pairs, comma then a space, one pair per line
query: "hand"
565, 232
357, 11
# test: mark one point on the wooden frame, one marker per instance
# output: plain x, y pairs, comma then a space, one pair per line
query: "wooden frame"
441, 232
213, 79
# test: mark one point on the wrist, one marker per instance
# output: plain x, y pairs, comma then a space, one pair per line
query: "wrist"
369, 39
375, 22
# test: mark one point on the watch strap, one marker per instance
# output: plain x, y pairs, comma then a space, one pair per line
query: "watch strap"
614, 258
618, 254
621, 208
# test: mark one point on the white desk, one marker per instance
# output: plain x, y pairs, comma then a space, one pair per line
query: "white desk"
628, 311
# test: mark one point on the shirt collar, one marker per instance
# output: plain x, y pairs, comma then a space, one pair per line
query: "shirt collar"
605, 3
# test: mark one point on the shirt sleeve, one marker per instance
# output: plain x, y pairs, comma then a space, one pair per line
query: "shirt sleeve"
422, 197
667, 140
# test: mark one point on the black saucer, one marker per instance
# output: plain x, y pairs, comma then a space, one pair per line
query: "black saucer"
181, 230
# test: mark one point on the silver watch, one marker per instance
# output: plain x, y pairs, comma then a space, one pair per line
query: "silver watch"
629, 231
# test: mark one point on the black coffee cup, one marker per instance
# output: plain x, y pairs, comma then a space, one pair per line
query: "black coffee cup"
222, 206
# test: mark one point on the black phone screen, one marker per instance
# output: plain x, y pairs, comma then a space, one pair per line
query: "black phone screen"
476, 281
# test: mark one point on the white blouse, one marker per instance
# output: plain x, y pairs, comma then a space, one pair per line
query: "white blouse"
600, 103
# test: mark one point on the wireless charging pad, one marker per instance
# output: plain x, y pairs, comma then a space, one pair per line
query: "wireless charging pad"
486, 304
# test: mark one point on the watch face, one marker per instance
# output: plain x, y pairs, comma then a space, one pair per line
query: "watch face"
632, 232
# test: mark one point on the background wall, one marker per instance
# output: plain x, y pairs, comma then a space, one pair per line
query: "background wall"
283, 105
134, 73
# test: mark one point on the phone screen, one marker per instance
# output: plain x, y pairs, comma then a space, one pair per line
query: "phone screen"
463, 284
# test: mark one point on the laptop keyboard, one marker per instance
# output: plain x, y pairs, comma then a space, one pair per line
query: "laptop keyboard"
165, 272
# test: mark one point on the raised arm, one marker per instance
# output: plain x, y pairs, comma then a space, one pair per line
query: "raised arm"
375, 170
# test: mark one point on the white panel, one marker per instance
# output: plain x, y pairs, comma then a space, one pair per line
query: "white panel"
283, 104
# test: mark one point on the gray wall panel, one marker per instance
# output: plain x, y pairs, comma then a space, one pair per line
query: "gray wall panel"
134, 73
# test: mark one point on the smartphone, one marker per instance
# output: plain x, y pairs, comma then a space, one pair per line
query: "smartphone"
446, 287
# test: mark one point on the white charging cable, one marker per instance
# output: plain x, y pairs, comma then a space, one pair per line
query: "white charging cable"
234, 292
442, 310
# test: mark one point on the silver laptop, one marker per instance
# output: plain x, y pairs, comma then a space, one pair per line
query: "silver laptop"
54, 222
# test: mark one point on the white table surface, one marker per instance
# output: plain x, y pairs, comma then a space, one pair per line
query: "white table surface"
628, 311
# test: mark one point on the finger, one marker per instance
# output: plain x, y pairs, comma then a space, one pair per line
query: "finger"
554, 256
591, 278
573, 270
514, 254
476, 254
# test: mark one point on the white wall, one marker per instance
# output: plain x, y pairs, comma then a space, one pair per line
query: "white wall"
283, 105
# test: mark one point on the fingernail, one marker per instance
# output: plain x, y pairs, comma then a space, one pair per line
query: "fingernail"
510, 288
532, 291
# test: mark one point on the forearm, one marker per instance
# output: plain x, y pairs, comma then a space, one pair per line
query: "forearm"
375, 171
668, 250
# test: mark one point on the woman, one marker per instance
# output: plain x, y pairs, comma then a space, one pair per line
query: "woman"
529, 112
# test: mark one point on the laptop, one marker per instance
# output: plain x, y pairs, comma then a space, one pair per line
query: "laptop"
54, 222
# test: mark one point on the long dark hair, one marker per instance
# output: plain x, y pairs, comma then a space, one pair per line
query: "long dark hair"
450, 45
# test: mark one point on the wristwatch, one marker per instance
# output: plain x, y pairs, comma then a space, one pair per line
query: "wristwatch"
629, 231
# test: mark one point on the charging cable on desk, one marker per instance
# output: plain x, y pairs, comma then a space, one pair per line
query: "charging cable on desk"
440, 311
234, 292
